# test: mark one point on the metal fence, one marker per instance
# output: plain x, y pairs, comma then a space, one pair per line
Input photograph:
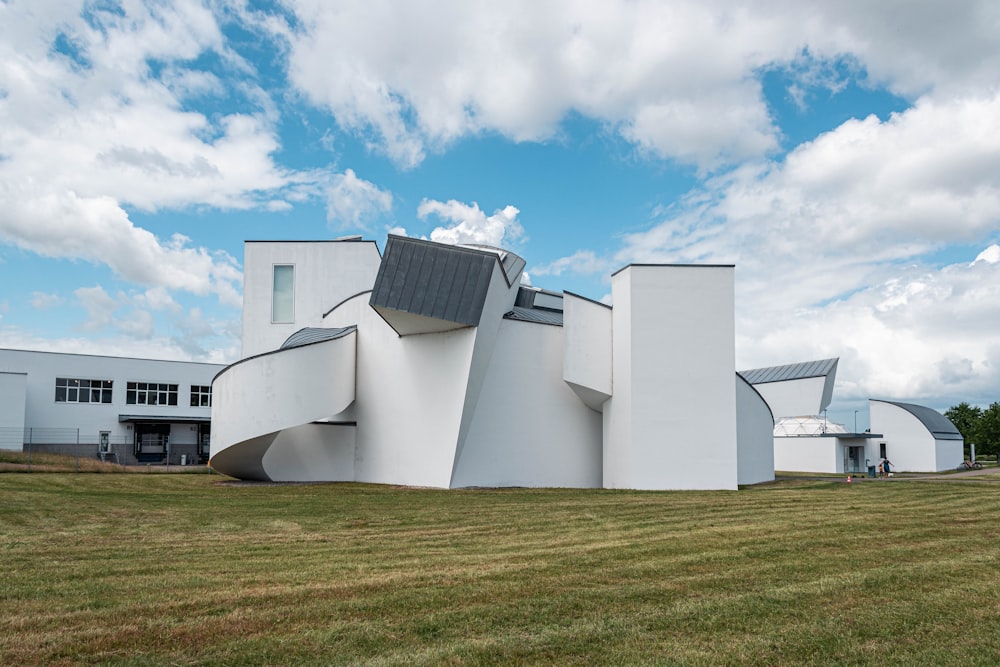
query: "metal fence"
89, 446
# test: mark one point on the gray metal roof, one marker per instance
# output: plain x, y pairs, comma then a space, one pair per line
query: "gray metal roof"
800, 371
444, 282
164, 419
539, 315
311, 335
935, 422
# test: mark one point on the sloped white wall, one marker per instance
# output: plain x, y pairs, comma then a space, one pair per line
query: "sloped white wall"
312, 453
794, 398
529, 428
587, 354
754, 436
272, 392
410, 393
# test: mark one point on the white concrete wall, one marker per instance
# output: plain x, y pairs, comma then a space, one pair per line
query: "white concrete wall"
755, 427
949, 454
410, 392
13, 394
794, 398
807, 454
529, 428
587, 356
312, 453
281, 390
326, 273
671, 421
909, 445
43, 412
500, 298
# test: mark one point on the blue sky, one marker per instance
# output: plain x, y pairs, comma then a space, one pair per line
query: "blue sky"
845, 157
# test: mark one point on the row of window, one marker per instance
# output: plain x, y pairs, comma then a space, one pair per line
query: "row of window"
74, 390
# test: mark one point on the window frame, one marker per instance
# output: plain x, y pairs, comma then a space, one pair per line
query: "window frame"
290, 297
84, 390
139, 393
201, 396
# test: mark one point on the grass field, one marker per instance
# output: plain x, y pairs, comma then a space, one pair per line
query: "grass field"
189, 569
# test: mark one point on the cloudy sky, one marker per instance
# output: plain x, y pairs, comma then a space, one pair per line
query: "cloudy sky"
844, 155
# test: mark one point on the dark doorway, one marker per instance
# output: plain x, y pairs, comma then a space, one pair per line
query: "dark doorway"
204, 441
151, 442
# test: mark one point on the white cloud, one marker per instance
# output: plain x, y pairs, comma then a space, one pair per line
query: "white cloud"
63, 224
472, 225
156, 298
834, 251
99, 114
678, 79
990, 255
44, 301
225, 349
582, 262
927, 333
843, 210
353, 202
100, 307
137, 324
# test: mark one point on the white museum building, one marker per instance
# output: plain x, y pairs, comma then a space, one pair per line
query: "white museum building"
432, 365
912, 437
116, 408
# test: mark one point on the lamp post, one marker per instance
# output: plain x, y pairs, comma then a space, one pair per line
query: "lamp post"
855, 421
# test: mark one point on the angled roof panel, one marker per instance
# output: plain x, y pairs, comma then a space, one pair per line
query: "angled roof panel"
437, 281
800, 371
538, 315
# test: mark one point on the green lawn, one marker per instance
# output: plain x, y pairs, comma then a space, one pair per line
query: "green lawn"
189, 569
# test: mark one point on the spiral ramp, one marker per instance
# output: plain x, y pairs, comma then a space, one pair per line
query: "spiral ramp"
277, 399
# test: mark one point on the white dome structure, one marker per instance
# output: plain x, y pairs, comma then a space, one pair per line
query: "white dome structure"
807, 425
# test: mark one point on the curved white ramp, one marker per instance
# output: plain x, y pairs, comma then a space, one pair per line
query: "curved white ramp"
255, 399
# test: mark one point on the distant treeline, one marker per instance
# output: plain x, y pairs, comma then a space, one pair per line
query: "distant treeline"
977, 425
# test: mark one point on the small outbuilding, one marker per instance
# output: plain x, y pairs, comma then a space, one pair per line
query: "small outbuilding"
915, 438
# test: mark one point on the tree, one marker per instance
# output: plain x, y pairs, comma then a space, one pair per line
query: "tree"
967, 420
988, 429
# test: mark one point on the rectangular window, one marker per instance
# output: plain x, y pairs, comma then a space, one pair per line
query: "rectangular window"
201, 396
283, 294
73, 390
150, 393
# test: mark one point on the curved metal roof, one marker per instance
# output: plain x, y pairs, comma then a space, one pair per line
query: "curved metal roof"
311, 335
935, 422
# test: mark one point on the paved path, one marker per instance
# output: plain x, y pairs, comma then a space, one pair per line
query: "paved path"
988, 474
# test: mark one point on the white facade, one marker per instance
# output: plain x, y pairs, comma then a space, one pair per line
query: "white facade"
672, 322
447, 373
323, 273
13, 395
915, 438
141, 408
830, 451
